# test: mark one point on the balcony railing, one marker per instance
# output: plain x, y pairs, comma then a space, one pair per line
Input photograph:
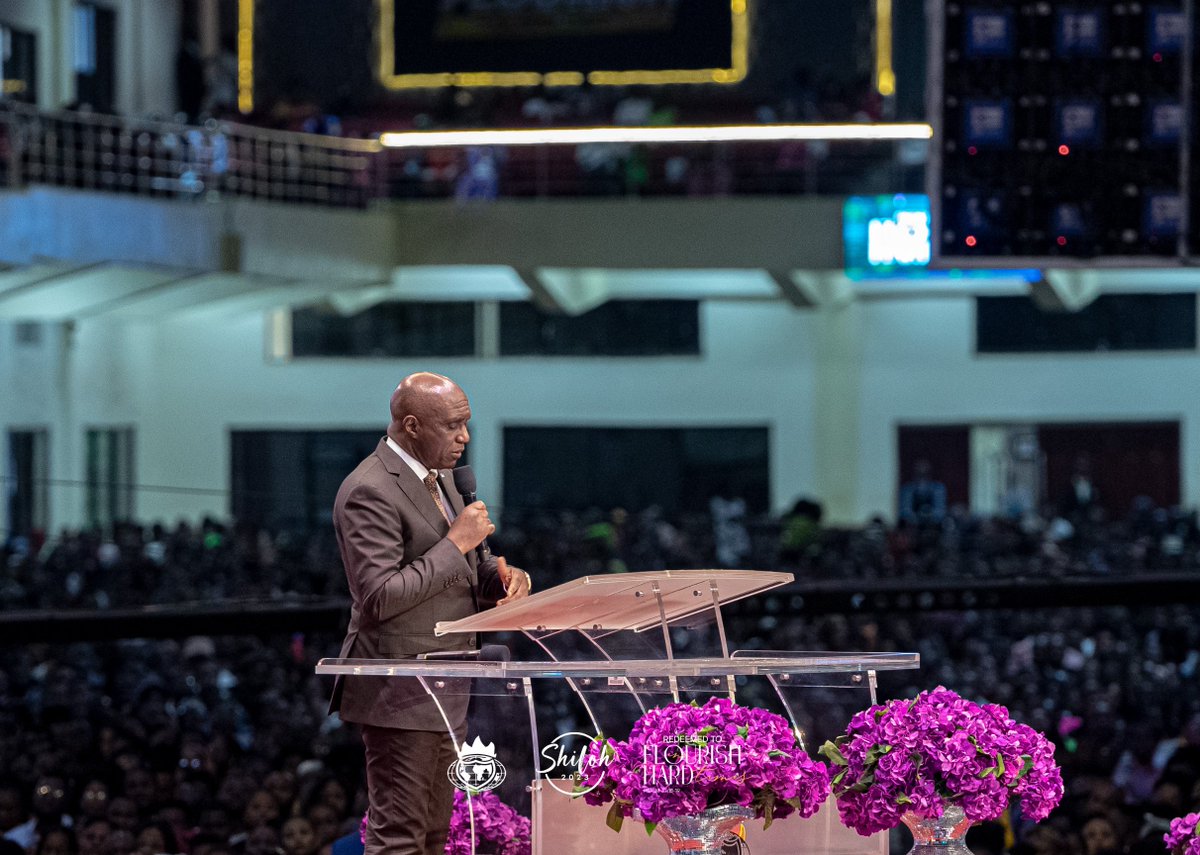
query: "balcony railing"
165, 159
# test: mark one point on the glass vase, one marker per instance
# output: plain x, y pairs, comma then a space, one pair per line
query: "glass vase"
703, 833
945, 835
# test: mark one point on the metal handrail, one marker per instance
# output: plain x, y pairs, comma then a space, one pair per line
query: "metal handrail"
153, 157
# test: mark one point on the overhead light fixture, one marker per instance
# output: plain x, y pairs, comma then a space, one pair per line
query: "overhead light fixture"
657, 134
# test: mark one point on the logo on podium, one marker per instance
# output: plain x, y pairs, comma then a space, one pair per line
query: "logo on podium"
564, 760
477, 768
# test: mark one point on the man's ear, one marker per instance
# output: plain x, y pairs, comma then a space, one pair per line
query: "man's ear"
409, 425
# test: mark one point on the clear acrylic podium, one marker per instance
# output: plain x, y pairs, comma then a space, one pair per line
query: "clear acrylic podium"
616, 646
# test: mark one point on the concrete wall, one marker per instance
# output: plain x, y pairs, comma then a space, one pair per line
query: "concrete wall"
831, 384
146, 41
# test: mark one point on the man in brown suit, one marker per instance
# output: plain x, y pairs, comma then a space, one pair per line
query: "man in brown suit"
413, 556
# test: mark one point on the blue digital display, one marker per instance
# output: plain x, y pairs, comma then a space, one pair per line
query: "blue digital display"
1167, 29
1068, 220
987, 122
1079, 32
1079, 122
886, 234
988, 33
1163, 215
1164, 122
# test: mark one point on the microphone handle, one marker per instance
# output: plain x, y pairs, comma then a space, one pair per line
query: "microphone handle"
483, 548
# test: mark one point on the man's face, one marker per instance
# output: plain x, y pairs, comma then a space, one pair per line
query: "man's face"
439, 435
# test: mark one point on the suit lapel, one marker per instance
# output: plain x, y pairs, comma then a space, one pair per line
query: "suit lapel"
412, 487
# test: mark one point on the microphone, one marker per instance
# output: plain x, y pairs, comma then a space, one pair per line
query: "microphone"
464, 482
486, 653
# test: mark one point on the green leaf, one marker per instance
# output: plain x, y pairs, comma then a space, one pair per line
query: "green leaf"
650, 826
834, 754
1027, 765
743, 731
768, 808
999, 764
903, 800
837, 779
875, 752
614, 820
706, 730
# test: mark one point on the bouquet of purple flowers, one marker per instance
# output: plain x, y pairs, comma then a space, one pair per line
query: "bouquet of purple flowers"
499, 830
918, 756
682, 759
1182, 838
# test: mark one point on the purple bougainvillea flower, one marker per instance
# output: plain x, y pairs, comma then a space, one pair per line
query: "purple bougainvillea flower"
919, 755
683, 758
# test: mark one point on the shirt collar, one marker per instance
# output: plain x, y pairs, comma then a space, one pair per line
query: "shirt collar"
415, 465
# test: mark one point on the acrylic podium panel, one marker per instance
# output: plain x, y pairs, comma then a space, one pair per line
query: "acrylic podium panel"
505, 715
573, 827
621, 601
612, 645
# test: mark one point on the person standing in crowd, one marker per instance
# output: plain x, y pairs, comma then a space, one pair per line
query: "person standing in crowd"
923, 499
413, 555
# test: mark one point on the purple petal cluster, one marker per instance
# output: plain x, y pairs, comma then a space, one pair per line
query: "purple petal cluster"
683, 758
499, 830
916, 755
1182, 838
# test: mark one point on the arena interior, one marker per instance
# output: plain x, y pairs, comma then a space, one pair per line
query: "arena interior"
896, 297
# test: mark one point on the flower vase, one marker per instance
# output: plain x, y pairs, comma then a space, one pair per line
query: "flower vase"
944, 835
703, 833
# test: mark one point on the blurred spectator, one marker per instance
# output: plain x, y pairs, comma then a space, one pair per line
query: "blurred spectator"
800, 529
923, 500
1081, 497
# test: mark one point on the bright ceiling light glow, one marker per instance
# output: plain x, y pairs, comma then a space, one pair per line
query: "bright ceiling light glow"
676, 134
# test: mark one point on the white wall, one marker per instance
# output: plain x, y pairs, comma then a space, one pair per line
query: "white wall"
147, 38
204, 378
919, 367
832, 386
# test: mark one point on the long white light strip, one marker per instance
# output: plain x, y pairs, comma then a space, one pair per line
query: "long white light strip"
669, 134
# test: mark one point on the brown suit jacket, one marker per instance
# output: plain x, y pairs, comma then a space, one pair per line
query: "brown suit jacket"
404, 576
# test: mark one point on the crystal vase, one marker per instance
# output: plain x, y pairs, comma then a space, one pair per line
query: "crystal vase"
946, 835
703, 833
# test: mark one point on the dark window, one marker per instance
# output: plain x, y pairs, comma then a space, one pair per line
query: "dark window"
1112, 322
287, 480
28, 477
1125, 462
95, 56
18, 65
678, 469
616, 328
388, 329
110, 475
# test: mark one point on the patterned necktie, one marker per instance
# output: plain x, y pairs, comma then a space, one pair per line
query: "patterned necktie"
431, 485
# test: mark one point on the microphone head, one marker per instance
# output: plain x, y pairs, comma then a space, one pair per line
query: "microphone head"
464, 480
495, 653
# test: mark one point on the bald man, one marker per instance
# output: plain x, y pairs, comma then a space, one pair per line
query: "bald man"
412, 556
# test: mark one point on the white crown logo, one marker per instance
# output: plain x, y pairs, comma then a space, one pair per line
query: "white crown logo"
476, 748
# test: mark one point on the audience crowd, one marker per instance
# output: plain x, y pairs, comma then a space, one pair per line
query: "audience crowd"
222, 745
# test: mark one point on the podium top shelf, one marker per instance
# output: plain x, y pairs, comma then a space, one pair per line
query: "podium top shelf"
736, 665
619, 601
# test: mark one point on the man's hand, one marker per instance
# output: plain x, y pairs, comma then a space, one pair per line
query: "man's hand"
516, 581
470, 527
